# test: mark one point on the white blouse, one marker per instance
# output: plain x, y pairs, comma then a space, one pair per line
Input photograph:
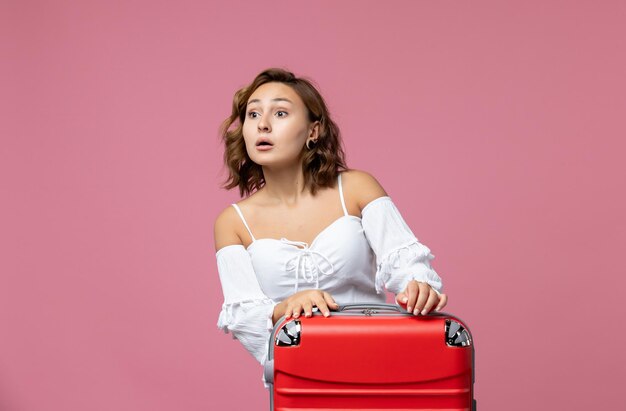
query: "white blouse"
354, 259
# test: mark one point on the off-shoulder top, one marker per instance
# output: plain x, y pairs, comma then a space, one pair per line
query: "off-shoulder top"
354, 259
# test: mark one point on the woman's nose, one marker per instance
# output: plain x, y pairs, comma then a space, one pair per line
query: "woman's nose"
263, 124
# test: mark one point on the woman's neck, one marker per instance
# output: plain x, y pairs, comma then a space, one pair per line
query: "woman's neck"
285, 186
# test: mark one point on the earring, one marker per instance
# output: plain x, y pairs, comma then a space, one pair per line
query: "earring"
308, 141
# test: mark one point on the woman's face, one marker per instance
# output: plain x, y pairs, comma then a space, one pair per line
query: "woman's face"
276, 114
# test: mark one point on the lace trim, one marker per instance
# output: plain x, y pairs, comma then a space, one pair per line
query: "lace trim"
420, 254
227, 318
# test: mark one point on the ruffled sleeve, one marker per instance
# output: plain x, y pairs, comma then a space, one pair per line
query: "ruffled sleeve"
247, 311
400, 257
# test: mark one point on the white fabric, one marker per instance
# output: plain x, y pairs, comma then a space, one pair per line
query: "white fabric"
353, 259
400, 257
246, 312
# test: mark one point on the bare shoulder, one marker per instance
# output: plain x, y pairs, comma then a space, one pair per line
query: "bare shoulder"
224, 229
361, 187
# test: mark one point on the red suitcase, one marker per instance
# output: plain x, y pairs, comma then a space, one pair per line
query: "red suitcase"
371, 356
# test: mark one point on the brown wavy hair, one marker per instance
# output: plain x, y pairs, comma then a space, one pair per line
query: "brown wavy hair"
320, 165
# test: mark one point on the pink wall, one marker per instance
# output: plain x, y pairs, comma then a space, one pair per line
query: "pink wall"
498, 129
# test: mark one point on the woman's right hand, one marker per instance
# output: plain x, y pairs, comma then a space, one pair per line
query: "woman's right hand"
304, 301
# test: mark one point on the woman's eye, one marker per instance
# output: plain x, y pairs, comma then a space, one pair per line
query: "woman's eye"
251, 114
279, 112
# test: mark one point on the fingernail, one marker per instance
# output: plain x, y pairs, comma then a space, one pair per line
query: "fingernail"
405, 299
326, 314
424, 312
409, 308
416, 311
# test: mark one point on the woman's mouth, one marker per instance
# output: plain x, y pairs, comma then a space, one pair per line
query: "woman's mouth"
263, 144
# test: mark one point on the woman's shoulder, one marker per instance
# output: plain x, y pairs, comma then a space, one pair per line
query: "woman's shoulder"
224, 232
361, 187
227, 226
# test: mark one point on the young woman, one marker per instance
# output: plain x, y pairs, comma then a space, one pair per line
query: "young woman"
310, 233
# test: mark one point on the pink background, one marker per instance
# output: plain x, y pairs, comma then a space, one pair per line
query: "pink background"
496, 127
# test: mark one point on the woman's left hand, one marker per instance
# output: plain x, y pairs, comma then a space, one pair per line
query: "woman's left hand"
419, 298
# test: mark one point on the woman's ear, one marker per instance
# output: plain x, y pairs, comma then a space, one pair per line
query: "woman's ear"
314, 132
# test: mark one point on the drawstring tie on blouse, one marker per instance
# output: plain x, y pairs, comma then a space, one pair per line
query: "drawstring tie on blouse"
308, 263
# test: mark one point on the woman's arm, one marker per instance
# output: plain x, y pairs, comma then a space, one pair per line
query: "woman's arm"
403, 263
246, 312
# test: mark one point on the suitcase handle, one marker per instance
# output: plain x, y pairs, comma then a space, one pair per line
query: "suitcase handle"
372, 306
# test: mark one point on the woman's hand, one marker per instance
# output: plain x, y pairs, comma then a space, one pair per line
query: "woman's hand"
305, 301
421, 298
